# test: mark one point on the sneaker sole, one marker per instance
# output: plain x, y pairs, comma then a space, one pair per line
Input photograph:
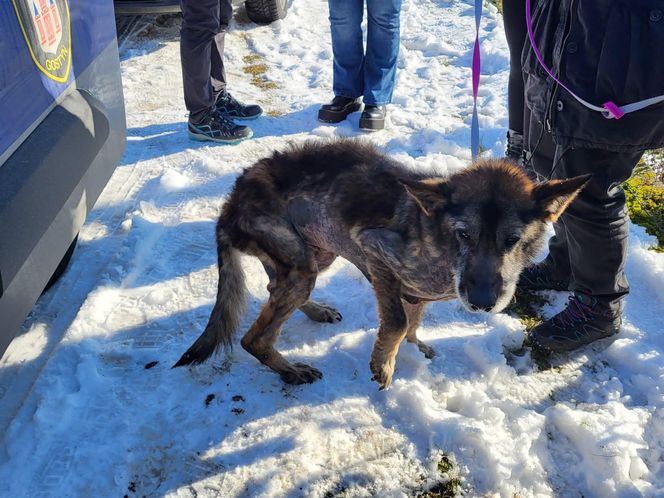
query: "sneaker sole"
205, 138
325, 116
545, 359
598, 344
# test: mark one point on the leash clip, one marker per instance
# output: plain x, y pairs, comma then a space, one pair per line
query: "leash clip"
612, 111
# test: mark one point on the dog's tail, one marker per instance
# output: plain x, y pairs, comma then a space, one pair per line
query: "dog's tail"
227, 311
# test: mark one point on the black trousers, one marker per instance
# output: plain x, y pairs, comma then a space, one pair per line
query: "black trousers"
590, 241
204, 24
514, 20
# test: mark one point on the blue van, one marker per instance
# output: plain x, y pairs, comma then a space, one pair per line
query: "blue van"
62, 133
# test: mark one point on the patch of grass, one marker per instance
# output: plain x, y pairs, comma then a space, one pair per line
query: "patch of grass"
498, 4
542, 359
274, 114
339, 491
449, 484
645, 196
264, 83
252, 58
527, 307
255, 69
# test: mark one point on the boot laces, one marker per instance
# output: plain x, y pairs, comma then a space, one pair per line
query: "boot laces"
575, 311
227, 99
224, 122
538, 273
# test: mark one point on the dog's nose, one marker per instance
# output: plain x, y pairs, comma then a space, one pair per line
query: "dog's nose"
480, 299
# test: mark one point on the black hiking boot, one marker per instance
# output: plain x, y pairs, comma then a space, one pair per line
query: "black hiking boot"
232, 109
214, 127
373, 117
514, 149
585, 319
339, 109
540, 277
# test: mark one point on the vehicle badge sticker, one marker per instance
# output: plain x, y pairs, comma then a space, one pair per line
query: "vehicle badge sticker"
47, 31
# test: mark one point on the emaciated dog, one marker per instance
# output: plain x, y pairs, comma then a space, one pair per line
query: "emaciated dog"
416, 237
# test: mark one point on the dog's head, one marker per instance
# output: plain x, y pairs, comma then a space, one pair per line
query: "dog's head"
498, 217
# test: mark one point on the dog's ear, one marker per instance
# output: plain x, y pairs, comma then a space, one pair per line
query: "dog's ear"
552, 197
428, 194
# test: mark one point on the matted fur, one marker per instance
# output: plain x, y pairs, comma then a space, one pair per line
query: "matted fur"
415, 236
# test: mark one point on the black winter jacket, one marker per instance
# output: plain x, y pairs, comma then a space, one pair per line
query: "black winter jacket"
603, 50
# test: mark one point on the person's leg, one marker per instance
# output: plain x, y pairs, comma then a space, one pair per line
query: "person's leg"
200, 25
593, 232
218, 74
347, 47
596, 223
541, 153
514, 20
380, 66
226, 104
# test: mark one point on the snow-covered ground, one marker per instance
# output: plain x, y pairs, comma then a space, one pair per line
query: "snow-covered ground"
89, 405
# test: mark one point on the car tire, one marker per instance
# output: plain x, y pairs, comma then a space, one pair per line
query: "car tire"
62, 266
266, 11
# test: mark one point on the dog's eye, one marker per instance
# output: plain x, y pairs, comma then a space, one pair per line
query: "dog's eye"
462, 234
511, 241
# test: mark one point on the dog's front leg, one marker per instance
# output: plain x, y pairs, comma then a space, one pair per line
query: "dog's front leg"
393, 324
414, 312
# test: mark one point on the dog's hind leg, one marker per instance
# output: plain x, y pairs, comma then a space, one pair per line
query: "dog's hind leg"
321, 312
414, 314
393, 325
318, 312
291, 290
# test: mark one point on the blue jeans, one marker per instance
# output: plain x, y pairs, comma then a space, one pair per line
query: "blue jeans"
356, 73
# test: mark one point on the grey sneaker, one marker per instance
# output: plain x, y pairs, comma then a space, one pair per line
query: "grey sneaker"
232, 109
214, 127
585, 319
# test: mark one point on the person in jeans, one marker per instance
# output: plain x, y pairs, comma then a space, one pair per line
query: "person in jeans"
603, 52
212, 109
358, 73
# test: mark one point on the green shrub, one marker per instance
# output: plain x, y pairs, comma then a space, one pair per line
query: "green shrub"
449, 485
498, 4
645, 202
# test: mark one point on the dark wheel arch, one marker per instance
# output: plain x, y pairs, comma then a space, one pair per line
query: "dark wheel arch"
62, 266
266, 11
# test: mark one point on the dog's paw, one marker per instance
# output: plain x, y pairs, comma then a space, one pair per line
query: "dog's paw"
382, 372
319, 312
427, 351
299, 373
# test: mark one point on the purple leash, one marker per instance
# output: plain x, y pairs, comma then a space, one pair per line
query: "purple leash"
475, 123
609, 110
